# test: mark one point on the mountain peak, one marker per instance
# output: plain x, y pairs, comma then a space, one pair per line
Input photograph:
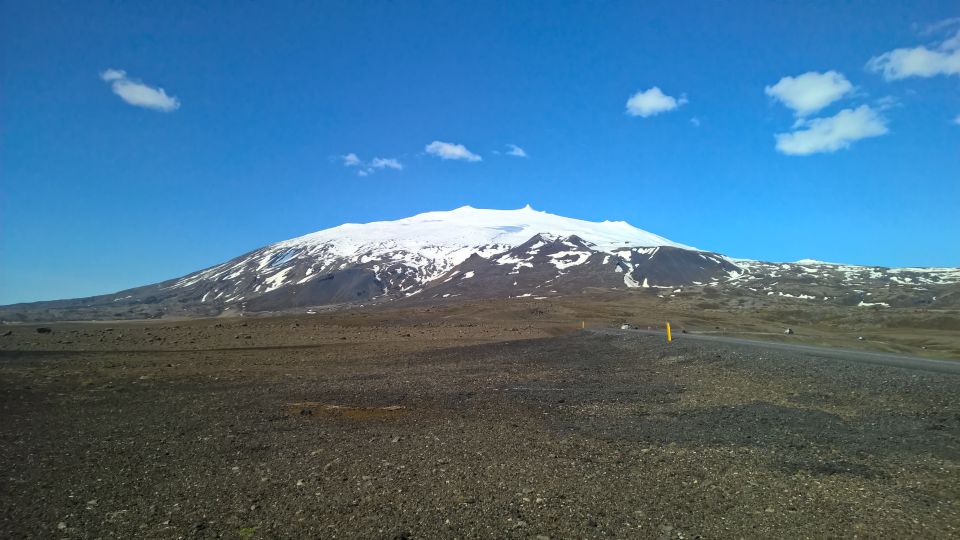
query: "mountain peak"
467, 228
472, 252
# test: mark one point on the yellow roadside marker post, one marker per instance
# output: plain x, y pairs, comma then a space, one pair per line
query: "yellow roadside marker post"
583, 324
669, 337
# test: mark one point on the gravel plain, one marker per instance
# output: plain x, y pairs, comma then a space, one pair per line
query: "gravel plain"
439, 428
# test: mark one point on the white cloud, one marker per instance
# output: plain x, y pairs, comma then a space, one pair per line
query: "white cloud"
952, 44
886, 102
810, 92
957, 120
832, 133
695, 121
113, 75
386, 163
921, 61
516, 151
350, 160
375, 164
445, 150
651, 102
941, 25
138, 94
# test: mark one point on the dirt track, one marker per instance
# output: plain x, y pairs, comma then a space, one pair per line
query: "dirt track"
866, 357
452, 433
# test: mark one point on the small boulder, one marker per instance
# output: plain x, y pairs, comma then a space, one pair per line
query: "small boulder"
788, 331
44, 330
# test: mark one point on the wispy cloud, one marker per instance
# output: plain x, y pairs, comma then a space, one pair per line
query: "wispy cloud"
810, 92
956, 120
138, 94
695, 121
941, 58
832, 133
651, 102
886, 102
350, 160
372, 166
386, 163
516, 151
940, 26
445, 150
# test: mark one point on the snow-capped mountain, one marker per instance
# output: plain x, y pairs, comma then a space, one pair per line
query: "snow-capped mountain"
472, 253
406, 254
397, 259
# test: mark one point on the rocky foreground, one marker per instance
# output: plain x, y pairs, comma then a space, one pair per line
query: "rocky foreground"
453, 428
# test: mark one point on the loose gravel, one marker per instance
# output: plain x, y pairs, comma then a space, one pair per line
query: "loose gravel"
582, 435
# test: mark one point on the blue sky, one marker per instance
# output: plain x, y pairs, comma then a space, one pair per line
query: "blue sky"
272, 118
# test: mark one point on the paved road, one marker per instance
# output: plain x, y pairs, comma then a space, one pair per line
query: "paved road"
883, 359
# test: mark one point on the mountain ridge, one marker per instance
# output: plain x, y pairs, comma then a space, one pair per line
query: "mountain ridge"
474, 253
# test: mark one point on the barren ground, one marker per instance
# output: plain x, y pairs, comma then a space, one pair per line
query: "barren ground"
486, 420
